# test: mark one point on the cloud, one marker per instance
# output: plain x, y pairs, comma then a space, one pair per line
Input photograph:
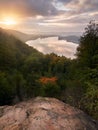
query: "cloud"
28, 7
77, 13
81, 6
49, 45
47, 7
63, 1
31, 8
50, 14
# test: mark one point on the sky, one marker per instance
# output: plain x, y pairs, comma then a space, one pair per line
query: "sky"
47, 16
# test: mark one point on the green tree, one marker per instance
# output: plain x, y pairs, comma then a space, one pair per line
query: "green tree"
6, 90
90, 100
87, 58
87, 52
19, 86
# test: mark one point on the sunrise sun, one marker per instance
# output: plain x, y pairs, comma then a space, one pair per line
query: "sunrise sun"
9, 22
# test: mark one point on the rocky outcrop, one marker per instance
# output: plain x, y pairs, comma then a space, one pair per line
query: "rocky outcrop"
44, 114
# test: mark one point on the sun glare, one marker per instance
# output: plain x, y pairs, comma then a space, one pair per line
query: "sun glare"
9, 22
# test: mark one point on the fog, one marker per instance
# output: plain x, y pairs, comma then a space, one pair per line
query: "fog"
52, 44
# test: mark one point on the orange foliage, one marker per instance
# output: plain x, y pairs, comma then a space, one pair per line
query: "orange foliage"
45, 80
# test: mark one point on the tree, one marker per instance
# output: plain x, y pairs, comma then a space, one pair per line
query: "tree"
87, 52
6, 90
87, 57
19, 85
91, 100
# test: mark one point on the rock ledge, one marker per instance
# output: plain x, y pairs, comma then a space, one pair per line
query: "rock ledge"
44, 114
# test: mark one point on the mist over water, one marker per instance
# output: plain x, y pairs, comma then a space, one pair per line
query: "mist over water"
52, 44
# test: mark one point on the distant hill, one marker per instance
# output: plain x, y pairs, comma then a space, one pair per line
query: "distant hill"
70, 38
26, 37
22, 36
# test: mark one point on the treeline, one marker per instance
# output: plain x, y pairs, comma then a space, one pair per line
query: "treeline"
27, 73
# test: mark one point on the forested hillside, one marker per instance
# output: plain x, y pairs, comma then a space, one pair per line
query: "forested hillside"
21, 36
26, 73
13, 53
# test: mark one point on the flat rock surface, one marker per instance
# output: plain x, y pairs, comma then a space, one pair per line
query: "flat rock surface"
44, 114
